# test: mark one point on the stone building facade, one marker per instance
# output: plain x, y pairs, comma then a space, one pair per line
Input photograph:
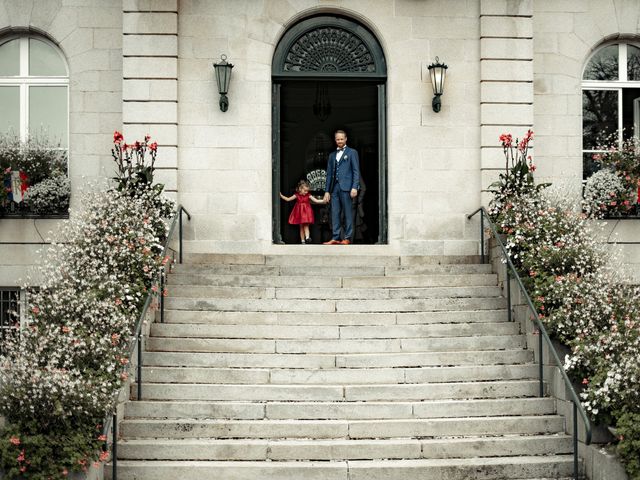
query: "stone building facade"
145, 66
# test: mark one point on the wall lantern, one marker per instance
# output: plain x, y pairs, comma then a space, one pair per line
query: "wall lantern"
223, 77
437, 71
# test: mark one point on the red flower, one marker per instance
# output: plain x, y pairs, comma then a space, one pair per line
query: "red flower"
117, 137
585, 381
532, 167
153, 147
147, 137
137, 145
102, 438
506, 139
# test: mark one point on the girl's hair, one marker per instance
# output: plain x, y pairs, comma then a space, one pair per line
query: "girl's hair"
302, 183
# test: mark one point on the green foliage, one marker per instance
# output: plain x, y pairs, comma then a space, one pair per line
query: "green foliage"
29, 455
628, 448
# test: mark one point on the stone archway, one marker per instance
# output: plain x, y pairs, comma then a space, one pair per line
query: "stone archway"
329, 72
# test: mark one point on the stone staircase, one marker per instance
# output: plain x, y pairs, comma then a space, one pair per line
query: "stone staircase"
345, 367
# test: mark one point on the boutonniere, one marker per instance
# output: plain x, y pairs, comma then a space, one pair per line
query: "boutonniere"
344, 157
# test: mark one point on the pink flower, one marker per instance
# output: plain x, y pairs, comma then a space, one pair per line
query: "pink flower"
153, 147
147, 137
14, 441
102, 438
585, 381
21, 456
532, 167
35, 310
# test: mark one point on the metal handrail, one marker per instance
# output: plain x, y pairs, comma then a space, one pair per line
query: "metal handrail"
511, 271
111, 421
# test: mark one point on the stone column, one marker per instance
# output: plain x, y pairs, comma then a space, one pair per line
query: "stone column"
150, 80
506, 80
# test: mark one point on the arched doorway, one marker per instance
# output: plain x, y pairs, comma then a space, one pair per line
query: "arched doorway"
329, 73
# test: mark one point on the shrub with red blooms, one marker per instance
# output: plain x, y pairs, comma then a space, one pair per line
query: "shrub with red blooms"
59, 377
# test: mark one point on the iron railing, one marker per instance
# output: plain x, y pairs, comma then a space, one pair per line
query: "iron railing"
111, 420
511, 272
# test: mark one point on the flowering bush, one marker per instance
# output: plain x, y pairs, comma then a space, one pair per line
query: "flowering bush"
35, 160
50, 196
583, 299
58, 379
606, 193
623, 158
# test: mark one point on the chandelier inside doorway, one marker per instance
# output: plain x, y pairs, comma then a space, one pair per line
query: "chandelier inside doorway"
322, 105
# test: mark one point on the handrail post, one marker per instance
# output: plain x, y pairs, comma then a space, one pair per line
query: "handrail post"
161, 293
541, 366
508, 280
139, 367
575, 440
180, 235
482, 236
114, 448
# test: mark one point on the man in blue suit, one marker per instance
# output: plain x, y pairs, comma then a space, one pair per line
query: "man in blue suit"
343, 182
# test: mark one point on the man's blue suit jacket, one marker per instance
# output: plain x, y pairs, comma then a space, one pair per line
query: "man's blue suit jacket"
348, 170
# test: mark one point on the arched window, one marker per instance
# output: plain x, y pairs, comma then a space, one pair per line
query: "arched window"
34, 89
610, 100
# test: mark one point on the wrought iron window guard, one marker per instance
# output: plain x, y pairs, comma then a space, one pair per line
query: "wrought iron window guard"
511, 272
111, 420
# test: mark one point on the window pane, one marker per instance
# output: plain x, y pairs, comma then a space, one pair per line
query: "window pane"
630, 112
10, 58
44, 60
10, 108
599, 117
48, 113
633, 62
603, 65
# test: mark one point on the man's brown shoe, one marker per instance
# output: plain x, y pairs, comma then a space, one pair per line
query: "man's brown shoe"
332, 242
346, 241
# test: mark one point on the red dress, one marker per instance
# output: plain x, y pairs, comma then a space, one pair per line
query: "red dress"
302, 211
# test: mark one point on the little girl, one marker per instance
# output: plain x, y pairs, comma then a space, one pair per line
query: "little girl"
302, 213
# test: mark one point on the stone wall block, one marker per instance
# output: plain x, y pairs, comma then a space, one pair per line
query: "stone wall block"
150, 45
501, 92
511, 27
150, 5
506, 48
505, 113
506, 7
506, 70
136, 22
165, 135
133, 89
168, 177
149, 67
150, 112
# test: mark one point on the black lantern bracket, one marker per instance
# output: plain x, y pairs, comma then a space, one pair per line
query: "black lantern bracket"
437, 73
223, 78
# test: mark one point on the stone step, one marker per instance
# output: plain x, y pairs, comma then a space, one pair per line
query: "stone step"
433, 344
378, 392
332, 271
243, 410
336, 376
356, 306
199, 330
251, 449
281, 360
491, 468
379, 428
396, 281
333, 318
319, 293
